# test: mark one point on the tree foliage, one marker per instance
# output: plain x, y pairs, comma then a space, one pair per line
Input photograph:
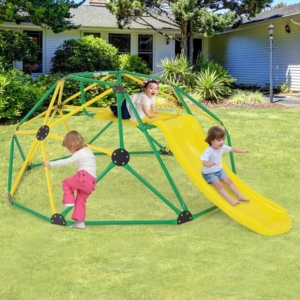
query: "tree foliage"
49, 14
190, 16
16, 46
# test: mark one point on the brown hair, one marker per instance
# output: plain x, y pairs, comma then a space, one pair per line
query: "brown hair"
73, 141
214, 133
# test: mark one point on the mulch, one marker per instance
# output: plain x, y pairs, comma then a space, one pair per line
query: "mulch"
226, 104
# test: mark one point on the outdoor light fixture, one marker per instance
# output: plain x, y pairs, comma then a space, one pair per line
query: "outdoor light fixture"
287, 29
271, 29
168, 40
271, 32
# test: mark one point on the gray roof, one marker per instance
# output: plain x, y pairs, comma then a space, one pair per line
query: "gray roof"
100, 16
274, 13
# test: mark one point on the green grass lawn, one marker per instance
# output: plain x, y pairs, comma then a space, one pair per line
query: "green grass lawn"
212, 257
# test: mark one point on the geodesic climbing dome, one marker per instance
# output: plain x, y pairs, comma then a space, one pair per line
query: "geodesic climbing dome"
39, 136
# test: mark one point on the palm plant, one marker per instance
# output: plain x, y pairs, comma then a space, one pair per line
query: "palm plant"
210, 85
177, 70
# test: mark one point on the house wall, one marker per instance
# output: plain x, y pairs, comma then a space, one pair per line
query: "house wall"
51, 41
245, 53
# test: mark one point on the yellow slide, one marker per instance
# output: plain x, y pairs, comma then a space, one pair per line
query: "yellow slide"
186, 140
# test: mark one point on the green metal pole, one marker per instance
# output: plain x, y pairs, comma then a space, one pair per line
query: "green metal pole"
100, 132
38, 104
109, 167
32, 212
165, 170
19, 147
230, 153
199, 105
157, 193
131, 222
83, 99
10, 167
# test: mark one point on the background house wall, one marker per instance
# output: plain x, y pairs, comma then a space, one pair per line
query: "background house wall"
51, 41
245, 53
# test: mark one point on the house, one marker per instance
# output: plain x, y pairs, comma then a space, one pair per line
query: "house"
244, 52
95, 19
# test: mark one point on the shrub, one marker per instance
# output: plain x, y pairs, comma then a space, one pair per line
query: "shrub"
210, 85
133, 63
88, 54
177, 71
16, 46
283, 88
203, 64
72, 87
240, 97
17, 94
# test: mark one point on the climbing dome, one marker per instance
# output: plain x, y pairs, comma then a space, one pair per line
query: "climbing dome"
39, 137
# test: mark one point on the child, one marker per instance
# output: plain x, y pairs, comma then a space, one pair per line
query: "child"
212, 164
142, 102
83, 182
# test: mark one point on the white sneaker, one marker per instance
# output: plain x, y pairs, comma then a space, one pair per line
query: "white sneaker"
79, 225
68, 204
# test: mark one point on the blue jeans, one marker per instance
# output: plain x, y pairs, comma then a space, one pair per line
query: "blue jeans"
124, 110
211, 177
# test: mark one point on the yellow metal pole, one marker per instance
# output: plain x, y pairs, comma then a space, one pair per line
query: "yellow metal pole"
25, 164
57, 89
47, 172
80, 108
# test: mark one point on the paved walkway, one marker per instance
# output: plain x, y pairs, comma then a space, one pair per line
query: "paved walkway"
286, 100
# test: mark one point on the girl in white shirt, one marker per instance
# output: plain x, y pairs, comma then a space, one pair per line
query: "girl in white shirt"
212, 164
83, 182
142, 102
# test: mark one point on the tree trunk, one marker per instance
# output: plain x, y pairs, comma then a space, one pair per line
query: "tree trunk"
183, 41
191, 43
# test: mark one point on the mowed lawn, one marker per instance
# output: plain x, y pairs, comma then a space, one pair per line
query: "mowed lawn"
212, 257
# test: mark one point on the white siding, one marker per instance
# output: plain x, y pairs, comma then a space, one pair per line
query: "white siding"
52, 41
160, 47
162, 50
245, 53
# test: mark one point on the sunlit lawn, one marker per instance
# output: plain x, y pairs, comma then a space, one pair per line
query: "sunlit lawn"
212, 257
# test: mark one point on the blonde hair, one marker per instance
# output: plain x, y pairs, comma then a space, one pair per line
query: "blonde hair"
73, 141
214, 133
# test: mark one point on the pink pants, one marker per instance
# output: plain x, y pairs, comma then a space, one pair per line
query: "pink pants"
83, 183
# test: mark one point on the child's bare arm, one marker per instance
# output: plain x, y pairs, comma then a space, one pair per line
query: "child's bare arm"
235, 150
208, 164
146, 112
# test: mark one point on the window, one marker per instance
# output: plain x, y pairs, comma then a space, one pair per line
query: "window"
36, 37
120, 41
145, 50
94, 34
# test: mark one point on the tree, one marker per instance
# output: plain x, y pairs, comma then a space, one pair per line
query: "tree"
190, 16
16, 46
49, 14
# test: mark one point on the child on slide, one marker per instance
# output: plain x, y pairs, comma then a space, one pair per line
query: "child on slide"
212, 164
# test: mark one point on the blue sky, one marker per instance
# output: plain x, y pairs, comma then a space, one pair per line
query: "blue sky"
287, 2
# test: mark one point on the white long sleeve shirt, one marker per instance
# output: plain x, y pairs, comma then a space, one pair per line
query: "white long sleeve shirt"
84, 158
